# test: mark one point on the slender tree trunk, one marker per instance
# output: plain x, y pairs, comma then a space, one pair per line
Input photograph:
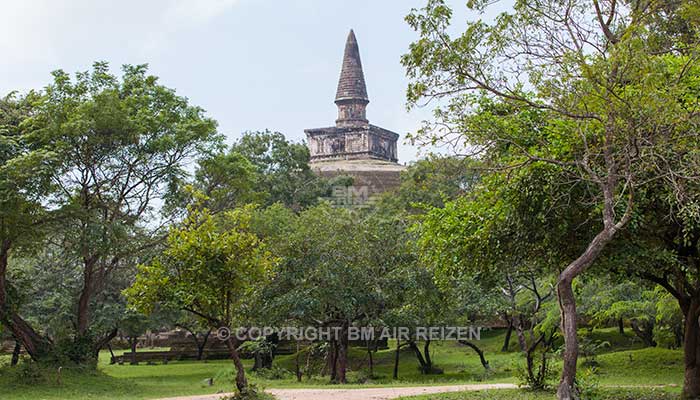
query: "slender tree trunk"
202, 345
621, 326
297, 364
104, 341
644, 331
396, 359
273, 342
333, 360
520, 333
426, 353
133, 342
15, 353
691, 349
197, 344
307, 365
370, 358
567, 306
241, 381
85, 295
343, 357
509, 332
111, 353
478, 351
419, 357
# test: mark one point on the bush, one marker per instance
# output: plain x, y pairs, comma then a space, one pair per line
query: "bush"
587, 384
274, 373
29, 373
253, 393
73, 351
590, 348
362, 376
541, 375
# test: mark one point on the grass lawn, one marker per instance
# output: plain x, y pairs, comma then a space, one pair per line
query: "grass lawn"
604, 394
624, 363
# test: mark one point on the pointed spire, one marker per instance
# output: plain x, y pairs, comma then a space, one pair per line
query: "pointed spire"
351, 85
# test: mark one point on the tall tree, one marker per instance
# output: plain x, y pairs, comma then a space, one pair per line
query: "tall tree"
283, 172
24, 184
211, 268
663, 247
335, 264
430, 182
618, 101
119, 143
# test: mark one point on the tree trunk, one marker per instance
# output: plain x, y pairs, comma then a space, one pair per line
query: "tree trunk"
478, 351
307, 365
104, 341
567, 307
85, 295
621, 326
370, 358
333, 360
272, 341
133, 342
202, 345
342, 357
296, 364
520, 333
15, 353
34, 344
396, 359
644, 331
241, 381
509, 332
691, 349
428, 359
111, 353
419, 357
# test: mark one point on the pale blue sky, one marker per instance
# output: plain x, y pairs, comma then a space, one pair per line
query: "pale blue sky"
252, 64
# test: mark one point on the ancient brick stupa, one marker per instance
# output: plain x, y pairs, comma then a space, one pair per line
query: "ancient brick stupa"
354, 146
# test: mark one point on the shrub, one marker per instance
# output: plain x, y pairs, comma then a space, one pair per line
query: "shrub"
274, 373
253, 393
589, 349
540, 376
587, 384
362, 376
29, 373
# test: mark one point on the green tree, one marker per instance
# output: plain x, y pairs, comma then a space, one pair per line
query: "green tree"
663, 247
618, 100
335, 263
626, 301
119, 143
133, 325
430, 182
24, 184
211, 268
282, 167
228, 180
496, 238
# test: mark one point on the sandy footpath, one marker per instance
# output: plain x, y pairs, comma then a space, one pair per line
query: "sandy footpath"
361, 394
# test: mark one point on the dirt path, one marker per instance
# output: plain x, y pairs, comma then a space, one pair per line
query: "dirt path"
362, 394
